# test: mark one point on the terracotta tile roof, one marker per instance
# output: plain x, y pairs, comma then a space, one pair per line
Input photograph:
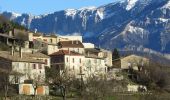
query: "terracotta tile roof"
27, 57
66, 52
70, 44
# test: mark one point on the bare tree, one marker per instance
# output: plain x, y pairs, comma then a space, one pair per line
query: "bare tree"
59, 79
37, 81
7, 78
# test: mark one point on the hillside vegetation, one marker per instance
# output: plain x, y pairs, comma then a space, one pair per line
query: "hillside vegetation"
6, 25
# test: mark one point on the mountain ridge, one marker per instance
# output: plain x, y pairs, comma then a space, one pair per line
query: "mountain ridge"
129, 24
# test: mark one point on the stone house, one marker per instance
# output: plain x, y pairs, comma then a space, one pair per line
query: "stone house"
75, 46
70, 61
131, 61
95, 64
26, 64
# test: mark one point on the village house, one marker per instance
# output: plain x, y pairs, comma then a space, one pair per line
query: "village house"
42, 43
70, 38
13, 37
65, 60
95, 63
75, 46
6, 39
28, 70
131, 61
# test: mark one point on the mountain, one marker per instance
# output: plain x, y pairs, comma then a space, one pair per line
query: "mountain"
129, 24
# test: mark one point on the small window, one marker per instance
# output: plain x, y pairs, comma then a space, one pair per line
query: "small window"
16, 79
73, 67
67, 59
73, 60
46, 61
40, 66
34, 66
80, 69
80, 60
51, 40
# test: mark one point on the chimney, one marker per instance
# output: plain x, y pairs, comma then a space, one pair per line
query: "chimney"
20, 52
12, 51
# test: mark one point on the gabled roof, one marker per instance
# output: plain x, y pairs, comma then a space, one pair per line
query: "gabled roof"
70, 44
27, 57
65, 52
37, 34
93, 50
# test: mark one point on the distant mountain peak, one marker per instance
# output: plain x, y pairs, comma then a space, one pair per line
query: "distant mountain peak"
121, 24
88, 8
70, 12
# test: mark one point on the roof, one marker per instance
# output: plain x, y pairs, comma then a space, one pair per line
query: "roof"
7, 36
37, 34
71, 44
93, 53
36, 55
93, 56
52, 35
94, 50
66, 52
27, 57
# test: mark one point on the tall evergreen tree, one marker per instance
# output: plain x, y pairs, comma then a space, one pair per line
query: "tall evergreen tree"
115, 54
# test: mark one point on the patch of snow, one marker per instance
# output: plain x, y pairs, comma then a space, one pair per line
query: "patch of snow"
167, 56
23, 22
167, 5
15, 14
130, 4
163, 20
70, 12
88, 8
100, 13
138, 30
38, 17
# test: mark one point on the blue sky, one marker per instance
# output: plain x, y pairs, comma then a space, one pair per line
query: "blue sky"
37, 7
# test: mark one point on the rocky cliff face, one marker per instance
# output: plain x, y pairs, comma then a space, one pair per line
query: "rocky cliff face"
129, 24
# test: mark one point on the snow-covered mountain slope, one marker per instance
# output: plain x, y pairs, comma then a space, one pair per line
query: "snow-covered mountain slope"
128, 24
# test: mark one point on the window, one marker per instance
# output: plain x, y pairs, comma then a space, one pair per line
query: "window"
46, 61
78, 50
67, 59
40, 66
51, 40
73, 60
34, 66
16, 79
73, 67
80, 60
80, 69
